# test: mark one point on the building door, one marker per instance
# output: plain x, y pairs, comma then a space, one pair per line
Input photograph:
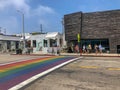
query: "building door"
8, 45
118, 48
17, 45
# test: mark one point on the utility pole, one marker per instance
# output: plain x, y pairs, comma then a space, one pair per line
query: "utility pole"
63, 33
23, 35
0, 29
4, 31
41, 28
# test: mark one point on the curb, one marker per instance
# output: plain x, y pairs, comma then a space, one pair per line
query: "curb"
99, 56
117, 55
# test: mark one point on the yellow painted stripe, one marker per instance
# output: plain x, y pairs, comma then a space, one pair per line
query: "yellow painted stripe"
113, 68
88, 67
1, 70
9, 68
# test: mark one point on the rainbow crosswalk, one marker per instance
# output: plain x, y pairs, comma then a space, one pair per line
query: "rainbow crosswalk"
17, 72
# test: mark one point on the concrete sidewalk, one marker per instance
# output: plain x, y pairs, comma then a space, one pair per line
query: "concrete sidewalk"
93, 54
5, 58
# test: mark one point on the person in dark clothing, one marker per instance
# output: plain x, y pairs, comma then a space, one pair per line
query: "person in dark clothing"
70, 50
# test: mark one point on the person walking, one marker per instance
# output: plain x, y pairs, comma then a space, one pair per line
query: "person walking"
77, 49
100, 48
84, 49
89, 48
58, 50
53, 52
96, 48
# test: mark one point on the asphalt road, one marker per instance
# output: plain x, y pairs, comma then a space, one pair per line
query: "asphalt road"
89, 73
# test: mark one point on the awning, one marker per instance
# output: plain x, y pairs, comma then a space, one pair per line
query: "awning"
52, 35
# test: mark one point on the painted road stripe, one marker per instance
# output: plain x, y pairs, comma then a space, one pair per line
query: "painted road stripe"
95, 67
23, 60
26, 62
113, 68
8, 67
17, 72
88, 67
41, 74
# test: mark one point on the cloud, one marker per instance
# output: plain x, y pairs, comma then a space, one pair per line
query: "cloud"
42, 10
25, 7
17, 4
33, 16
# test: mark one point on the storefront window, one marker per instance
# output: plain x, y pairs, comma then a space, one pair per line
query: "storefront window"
86, 42
103, 42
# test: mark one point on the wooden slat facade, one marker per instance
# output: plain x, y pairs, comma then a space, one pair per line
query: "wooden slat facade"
95, 25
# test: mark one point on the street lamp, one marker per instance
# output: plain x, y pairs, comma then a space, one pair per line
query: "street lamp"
23, 35
63, 32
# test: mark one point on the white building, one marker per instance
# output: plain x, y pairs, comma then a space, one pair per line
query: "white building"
9, 43
39, 43
43, 43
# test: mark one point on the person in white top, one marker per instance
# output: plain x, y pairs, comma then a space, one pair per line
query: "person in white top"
100, 48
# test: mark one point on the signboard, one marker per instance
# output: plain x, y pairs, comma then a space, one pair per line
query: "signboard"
78, 37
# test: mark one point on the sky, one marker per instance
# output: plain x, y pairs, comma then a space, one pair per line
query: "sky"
49, 13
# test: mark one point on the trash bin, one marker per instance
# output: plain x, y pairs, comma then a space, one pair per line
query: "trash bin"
20, 51
17, 51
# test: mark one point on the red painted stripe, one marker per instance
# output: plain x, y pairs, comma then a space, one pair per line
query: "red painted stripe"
23, 62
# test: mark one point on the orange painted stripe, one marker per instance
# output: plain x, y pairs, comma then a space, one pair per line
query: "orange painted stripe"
24, 64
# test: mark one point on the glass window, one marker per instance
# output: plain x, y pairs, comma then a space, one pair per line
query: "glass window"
53, 43
103, 42
8, 44
45, 43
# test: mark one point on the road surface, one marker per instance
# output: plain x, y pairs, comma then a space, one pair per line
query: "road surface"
89, 73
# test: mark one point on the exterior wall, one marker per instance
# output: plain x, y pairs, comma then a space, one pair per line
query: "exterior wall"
4, 46
96, 25
72, 25
40, 47
39, 42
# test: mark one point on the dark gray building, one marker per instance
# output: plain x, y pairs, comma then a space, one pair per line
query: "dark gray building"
94, 28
